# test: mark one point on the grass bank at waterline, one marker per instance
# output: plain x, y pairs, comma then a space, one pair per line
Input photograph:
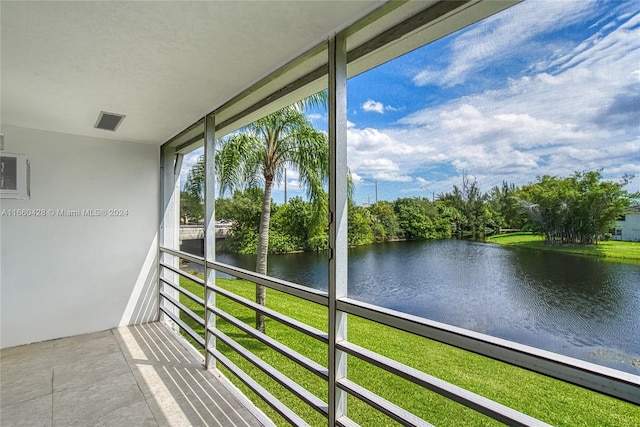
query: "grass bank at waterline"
552, 401
608, 249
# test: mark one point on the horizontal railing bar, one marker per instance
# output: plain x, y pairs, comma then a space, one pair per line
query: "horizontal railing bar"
191, 277
393, 411
300, 359
345, 421
467, 398
295, 388
184, 326
285, 320
184, 255
269, 398
193, 297
183, 308
303, 292
599, 378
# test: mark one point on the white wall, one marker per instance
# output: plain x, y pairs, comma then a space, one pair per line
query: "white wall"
68, 275
630, 227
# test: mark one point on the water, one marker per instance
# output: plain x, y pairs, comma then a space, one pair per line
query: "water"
581, 307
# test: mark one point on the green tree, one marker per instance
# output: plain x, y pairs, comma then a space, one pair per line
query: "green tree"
504, 206
290, 226
191, 208
599, 204
470, 203
577, 209
257, 157
451, 218
417, 218
547, 204
243, 210
359, 226
385, 221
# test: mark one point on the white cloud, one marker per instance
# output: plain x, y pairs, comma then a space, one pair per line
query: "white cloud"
355, 177
377, 107
577, 108
499, 37
373, 106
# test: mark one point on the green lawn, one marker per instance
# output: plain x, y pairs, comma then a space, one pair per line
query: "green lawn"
608, 249
552, 401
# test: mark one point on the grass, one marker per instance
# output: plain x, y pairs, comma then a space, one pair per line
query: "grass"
552, 401
613, 249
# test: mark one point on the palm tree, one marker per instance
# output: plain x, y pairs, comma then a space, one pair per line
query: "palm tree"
257, 157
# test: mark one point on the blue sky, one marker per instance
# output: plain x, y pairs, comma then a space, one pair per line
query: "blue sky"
545, 87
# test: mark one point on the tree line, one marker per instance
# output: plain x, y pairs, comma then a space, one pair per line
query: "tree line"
579, 209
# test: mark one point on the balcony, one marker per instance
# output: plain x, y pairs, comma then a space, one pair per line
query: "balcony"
153, 374
175, 348
141, 375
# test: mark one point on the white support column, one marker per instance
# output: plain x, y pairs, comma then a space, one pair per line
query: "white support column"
170, 163
338, 222
209, 234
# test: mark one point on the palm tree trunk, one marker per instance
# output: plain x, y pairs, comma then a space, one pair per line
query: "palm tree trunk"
263, 249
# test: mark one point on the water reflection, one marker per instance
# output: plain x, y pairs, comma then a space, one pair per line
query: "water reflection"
592, 303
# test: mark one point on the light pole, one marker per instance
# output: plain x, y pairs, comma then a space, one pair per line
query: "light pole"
285, 186
375, 181
433, 195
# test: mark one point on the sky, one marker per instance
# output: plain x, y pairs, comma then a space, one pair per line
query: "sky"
543, 88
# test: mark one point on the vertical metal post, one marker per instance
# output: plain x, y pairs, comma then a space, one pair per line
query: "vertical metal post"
376, 192
209, 234
338, 222
170, 164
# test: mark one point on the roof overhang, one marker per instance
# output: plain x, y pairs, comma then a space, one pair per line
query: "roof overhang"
165, 65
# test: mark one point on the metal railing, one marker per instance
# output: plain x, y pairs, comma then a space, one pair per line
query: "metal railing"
604, 380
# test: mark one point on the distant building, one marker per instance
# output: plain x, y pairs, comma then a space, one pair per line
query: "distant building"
628, 227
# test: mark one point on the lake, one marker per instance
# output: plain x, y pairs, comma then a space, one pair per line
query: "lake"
582, 307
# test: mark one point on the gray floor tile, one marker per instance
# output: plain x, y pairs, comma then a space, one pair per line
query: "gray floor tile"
70, 351
19, 387
24, 362
29, 349
32, 413
79, 405
88, 371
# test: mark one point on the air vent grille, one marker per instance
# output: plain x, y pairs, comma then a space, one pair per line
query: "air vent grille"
109, 121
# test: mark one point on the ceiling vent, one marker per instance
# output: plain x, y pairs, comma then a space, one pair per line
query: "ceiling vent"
109, 121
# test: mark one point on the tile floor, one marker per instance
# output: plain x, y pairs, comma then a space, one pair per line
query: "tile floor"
136, 376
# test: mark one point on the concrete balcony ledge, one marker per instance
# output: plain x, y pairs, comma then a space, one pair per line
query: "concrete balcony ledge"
140, 375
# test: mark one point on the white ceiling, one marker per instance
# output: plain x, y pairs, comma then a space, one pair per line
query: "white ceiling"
163, 64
